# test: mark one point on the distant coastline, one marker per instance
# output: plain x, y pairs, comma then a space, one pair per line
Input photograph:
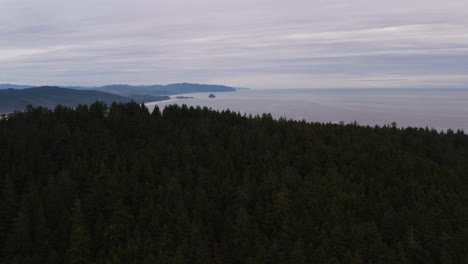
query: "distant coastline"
16, 97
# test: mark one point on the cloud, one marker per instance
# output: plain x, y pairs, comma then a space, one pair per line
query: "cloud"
303, 43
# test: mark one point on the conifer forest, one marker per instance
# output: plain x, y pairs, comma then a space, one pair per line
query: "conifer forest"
120, 184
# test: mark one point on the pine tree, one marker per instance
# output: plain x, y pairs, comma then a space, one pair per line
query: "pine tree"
8, 204
79, 250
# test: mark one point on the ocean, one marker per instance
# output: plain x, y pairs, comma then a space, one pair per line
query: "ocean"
439, 109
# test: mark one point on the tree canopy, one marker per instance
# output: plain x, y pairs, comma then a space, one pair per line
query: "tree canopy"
118, 184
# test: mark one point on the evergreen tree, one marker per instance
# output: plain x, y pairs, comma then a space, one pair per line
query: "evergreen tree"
79, 249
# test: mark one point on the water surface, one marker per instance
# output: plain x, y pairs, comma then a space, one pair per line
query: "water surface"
435, 108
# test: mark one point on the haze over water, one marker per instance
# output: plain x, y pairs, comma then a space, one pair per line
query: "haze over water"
440, 109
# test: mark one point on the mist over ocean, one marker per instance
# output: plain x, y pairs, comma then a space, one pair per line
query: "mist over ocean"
440, 109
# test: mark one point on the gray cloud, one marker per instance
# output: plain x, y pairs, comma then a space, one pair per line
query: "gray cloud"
251, 43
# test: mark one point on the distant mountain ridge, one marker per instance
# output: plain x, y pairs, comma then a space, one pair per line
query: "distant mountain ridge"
15, 86
153, 90
170, 89
50, 96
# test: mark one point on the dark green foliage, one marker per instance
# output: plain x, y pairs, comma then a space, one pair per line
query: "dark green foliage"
79, 247
118, 184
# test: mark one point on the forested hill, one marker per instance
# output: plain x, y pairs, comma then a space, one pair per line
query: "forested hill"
50, 96
18, 99
119, 184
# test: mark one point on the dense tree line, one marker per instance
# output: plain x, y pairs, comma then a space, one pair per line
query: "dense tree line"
118, 184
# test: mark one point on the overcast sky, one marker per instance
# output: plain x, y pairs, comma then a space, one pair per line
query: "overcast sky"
244, 43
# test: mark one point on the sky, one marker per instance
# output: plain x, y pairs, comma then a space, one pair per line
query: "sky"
241, 43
